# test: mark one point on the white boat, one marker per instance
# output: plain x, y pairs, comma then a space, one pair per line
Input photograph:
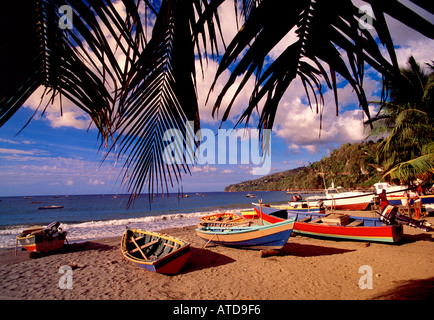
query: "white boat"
397, 195
341, 199
391, 191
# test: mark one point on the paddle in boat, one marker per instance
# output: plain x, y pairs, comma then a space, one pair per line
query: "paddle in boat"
42, 239
252, 237
154, 251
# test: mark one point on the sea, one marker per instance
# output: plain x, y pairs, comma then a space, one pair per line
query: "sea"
89, 217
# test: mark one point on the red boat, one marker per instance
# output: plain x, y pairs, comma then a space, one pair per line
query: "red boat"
43, 239
351, 228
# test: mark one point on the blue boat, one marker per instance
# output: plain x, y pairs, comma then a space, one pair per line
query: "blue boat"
272, 236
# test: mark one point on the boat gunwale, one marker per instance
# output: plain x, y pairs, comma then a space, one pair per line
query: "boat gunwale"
364, 233
184, 246
241, 230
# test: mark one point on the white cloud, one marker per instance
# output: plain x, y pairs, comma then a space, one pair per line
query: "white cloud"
9, 141
300, 126
227, 171
69, 115
18, 151
205, 169
95, 182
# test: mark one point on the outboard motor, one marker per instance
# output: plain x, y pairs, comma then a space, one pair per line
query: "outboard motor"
390, 215
52, 229
321, 205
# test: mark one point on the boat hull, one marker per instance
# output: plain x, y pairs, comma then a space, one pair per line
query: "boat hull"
42, 243
386, 234
249, 214
360, 202
254, 237
401, 200
372, 230
221, 219
170, 263
253, 214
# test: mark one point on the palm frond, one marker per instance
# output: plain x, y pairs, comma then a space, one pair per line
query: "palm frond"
420, 167
325, 29
161, 96
132, 103
155, 103
154, 88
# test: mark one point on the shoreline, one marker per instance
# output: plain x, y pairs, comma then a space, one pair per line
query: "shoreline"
305, 269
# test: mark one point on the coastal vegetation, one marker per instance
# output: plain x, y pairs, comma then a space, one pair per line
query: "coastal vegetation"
350, 166
405, 121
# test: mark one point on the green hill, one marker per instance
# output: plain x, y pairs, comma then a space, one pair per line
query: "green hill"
349, 166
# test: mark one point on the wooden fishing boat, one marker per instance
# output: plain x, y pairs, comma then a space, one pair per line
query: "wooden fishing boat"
42, 239
397, 195
249, 214
154, 251
225, 224
223, 220
252, 214
341, 199
50, 207
253, 237
291, 206
343, 227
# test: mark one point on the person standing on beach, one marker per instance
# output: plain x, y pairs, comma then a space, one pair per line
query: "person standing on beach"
417, 206
383, 199
419, 190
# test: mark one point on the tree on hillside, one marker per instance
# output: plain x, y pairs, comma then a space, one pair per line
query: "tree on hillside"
406, 123
131, 67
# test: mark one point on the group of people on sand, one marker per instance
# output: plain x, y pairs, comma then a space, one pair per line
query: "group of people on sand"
412, 195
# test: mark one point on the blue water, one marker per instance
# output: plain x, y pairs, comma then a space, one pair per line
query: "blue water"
97, 216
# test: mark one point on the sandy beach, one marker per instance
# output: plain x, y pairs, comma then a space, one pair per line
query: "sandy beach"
306, 269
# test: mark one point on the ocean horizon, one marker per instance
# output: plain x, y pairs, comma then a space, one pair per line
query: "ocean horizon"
87, 217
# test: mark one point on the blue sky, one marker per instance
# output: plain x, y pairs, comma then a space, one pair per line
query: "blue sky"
58, 154
44, 159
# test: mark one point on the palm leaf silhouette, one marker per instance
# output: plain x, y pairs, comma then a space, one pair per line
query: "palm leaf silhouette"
133, 100
325, 29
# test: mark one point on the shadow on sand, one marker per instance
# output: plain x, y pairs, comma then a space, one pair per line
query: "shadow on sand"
410, 290
204, 258
309, 250
409, 238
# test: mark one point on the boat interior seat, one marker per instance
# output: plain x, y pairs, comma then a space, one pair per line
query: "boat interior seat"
144, 246
355, 223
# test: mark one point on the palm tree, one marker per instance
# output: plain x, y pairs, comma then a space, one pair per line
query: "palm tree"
134, 100
405, 122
